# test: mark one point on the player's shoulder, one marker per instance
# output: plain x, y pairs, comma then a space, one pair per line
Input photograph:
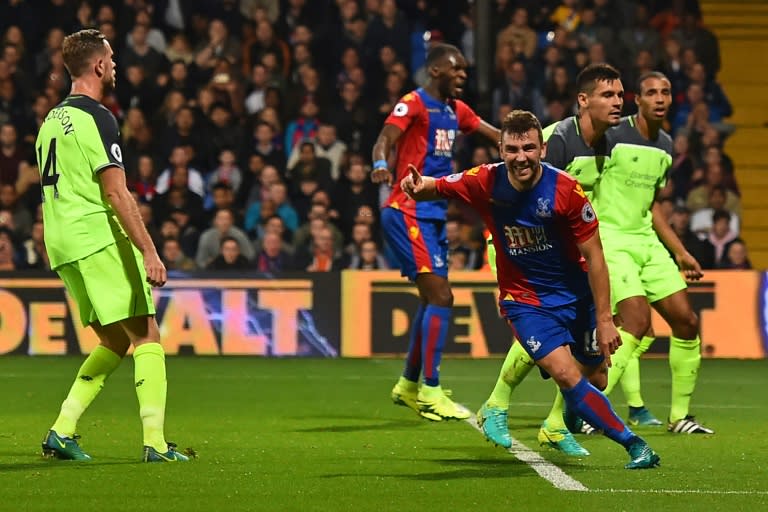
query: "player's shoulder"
101, 115
565, 129
408, 104
561, 177
563, 182
412, 98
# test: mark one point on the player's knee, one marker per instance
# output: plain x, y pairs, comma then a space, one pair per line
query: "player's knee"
442, 297
637, 325
687, 327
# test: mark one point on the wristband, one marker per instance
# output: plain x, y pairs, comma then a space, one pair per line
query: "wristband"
380, 164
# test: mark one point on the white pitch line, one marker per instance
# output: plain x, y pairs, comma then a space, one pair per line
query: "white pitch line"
540, 465
678, 491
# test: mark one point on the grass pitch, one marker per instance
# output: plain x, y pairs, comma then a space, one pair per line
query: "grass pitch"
305, 435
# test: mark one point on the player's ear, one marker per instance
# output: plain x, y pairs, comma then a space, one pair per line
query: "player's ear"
543, 150
581, 98
100, 67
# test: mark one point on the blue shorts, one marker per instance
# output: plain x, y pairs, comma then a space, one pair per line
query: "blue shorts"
542, 330
420, 246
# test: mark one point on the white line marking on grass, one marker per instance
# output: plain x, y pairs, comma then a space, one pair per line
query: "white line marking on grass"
540, 465
677, 491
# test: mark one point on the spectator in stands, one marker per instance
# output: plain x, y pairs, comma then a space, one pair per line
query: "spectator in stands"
173, 257
179, 196
256, 89
277, 194
590, 31
713, 94
721, 235
140, 54
302, 128
265, 41
322, 255
8, 251
223, 197
640, 36
272, 257
517, 90
702, 220
21, 216
263, 144
229, 256
34, 253
736, 256
179, 48
180, 174
138, 138
227, 173
692, 35
352, 193
698, 198
224, 135
218, 45
13, 153
188, 234
702, 250
42, 60
186, 132
518, 36
305, 233
309, 165
369, 258
212, 240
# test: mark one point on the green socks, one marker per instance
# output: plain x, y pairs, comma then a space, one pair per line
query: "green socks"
90, 379
630, 381
620, 359
149, 373
684, 362
516, 366
555, 419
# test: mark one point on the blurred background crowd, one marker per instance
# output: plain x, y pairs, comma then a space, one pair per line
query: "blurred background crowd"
247, 125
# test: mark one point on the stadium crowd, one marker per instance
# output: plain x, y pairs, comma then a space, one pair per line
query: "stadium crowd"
247, 125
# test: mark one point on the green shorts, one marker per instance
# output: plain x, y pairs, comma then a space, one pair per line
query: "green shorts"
109, 285
641, 267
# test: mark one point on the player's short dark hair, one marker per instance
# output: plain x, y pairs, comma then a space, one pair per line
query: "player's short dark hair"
439, 51
519, 122
78, 49
650, 74
586, 80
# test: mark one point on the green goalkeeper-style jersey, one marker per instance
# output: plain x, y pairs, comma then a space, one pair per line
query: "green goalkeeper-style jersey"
637, 169
78, 138
620, 176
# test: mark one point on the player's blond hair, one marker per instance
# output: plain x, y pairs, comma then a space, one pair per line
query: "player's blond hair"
79, 48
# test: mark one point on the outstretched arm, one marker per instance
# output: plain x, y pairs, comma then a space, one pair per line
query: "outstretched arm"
489, 131
418, 187
387, 138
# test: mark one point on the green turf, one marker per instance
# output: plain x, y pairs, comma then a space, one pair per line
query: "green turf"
322, 435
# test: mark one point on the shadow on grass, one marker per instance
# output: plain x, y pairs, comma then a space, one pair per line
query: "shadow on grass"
455, 469
386, 425
56, 465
